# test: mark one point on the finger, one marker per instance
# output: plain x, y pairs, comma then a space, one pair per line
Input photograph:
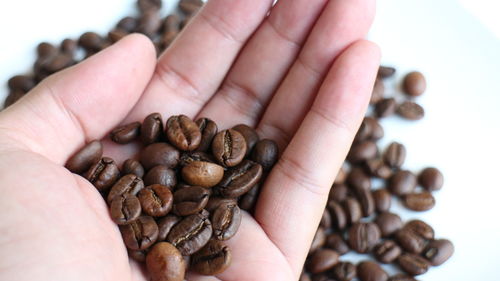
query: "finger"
83, 102
295, 193
341, 24
263, 62
191, 70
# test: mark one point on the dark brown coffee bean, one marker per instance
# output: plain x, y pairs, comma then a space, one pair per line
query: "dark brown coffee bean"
395, 155
413, 264
344, 271
414, 84
149, 23
215, 201
125, 209
212, 259
128, 184
370, 271
362, 151
326, 219
358, 179
126, 134
387, 251
431, 179
91, 41
248, 201
190, 6
335, 242
250, 135
385, 72
363, 236
131, 166
191, 234
229, 148
208, 129
385, 107
265, 153
376, 131
352, 210
341, 176
165, 224
382, 200
419, 202
318, 240
183, 133
338, 193
159, 154
127, 24
378, 92
165, 263
388, 223
410, 110
138, 255
156, 200
439, 251
190, 200
339, 218
85, 157
171, 28
103, 174
203, 174
411, 241
366, 201
226, 220
402, 277
322, 260
45, 50
116, 35
22, 83
147, 5
364, 132
238, 180
140, 234
161, 175
402, 182
189, 157
151, 129
57, 62
421, 228
377, 168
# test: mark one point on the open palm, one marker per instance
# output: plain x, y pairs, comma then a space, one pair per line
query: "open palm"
300, 74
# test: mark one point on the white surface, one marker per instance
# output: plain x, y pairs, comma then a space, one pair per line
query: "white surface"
460, 56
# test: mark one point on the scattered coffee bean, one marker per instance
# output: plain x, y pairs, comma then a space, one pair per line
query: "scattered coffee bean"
411, 241
402, 182
352, 209
377, 168
338, 192
370, 271
127, 24
387, 251
338, 215
388, 223
322, 260
413, 264
212, 259
362, 151
326, 219
385, 107
382, 200
165, 263
395, 155
126, 134
410, 110
420, 202
421, 228
363, 236
318, 240
378, 92
414, 84
358, 179
335, 242
439, 251
344, 271
431, 179
401, 277
385, 72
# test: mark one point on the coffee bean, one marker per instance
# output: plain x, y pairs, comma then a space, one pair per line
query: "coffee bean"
376, 130
190, 200
358, 179
439, 251
411, 241
265, 153
377, 168
318, 240
338, 193
131, 166
339, 218
140, 234
159, 154
149, 23
125, 209
127, 24
229, 148
385, 107
352, 210
395, 155
370, 271
382, 200
335, 242
116, 35
85, 157
378, 92
103, 174
387, 251
344, 271
161, 175
363, 133
413, 264
248, 201
183, 133
148, 5
226, 220
151, 129
431, 179
421, 228
414, 84
171, 28
208, 129
250, 135
304, 277
165, 263
322, 260
341, 175
366, 201
128, 184
363, 236
126, 134
212, 259
420, 202
385, 72
388, 223
362, 151
156, 200
402, 277
138, 255
45, 50
402, 182
215, 201
189, 157
238, 180
203, 174
410, 110
22, 83
326, 219
91, 41
191, 234
190, 6
165, 224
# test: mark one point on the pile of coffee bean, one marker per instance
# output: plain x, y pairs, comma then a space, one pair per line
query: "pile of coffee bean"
181, 198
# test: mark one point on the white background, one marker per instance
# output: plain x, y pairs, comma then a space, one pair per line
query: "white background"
455, 43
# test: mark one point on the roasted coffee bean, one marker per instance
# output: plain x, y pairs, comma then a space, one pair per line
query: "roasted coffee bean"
414, 84
363, 236
22, 83
338, 193
190, 200
229, 148
202, 173
126, 133
362, 151
335, 242
248, 201
148, 5
156, 200
103, 174
318, 240
421, 228
161, 175
250, 135
183, 133
226, 220
385, 72
165, 263
370, 271
322, 260
388, 223
344, 271
419, 202
151, 129
377, 168
165, 224
57, 62
358, 179
149, 23
385, 107
238, 180
91, 41
190, 6
131, 166
159, 154
138, 255
352, 210
189, 157
402, 182
191, 234
128, 184
413, 264
171, 28
208, 129
339, 218
85, 157
212, 259
127, 24
387, 251
439, 251
45, 50
341, 175
265, 153
401, 277
376, 131
326, 219
411, 241
116, 35
431, 179
395, 155
215, 201
125, 209
382, 200
363, 133
410, 110
366, 201
378, 92
140, 234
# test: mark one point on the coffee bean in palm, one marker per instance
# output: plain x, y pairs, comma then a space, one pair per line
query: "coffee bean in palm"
363, 236
140, 234
126, 133
138, 255
413, 264
362, 151
127, 24
382, 200
385, 72
226, 220
378, 91
189, 157
438, 252
388, 223
395, 155
402, 182
21, 83
156, 200
159, 154
402, 277
125, 209
161, 175
414, 84
377, 168
131, 166
215, 201
128, 184
385, 107
248, 201
190, 6
338, 192
191, 233
250, 135
335, 242
326, 219
152, 128
103, 174
190, 200
322, 260
352, 210
358, 179
343, 271
410, 110
85, 157
208, 129
165, 224
431, 179
338, 215
183, 133
238, 180
165, 263
422, 201
370, 271
319, 240
229, 148
212, 259
202, 173
386, 251
265, 153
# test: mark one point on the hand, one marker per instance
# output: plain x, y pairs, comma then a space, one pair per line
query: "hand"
302, 76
